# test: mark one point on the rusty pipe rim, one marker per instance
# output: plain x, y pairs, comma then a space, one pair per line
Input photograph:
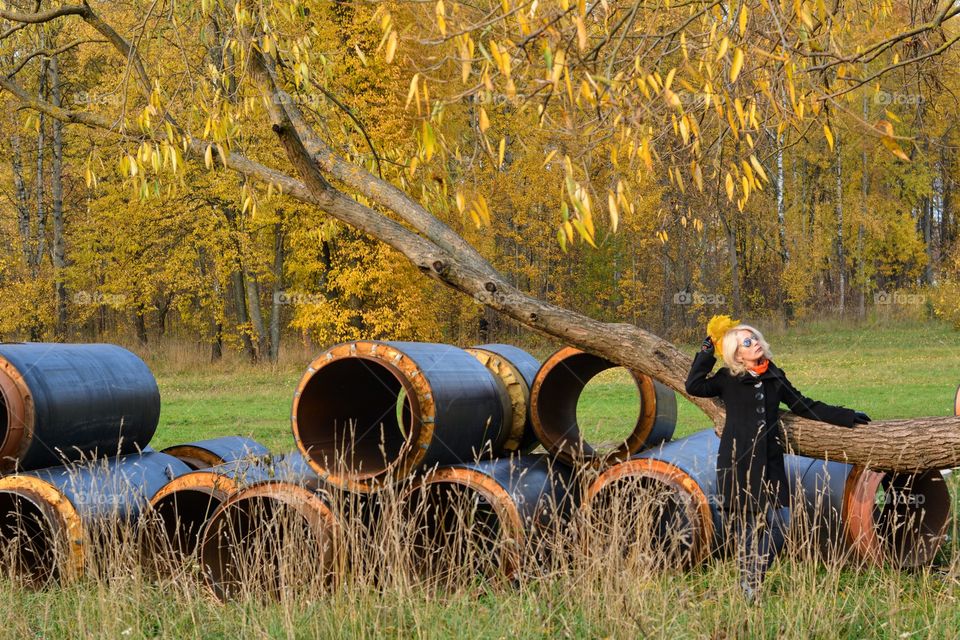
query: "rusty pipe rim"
309, 507
512, 532
696, 502
64, 529
16, 416
193, 456
956, 403
517, 391
881, 524
555, 434
418, 400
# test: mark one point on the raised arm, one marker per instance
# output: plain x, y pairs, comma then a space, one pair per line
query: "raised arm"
698, 384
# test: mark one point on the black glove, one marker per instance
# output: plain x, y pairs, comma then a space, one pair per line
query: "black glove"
860, 417
707, 345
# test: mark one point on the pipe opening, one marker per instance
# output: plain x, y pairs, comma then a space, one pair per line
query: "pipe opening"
559, 405
456, 532
28, 539
262, 547
910, 516
359, 414
646, 520
604, 409
181, 517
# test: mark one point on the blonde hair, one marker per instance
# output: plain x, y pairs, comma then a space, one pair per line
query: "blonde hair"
731, 344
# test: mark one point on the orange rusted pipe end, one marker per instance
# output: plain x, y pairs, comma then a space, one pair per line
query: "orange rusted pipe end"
896, 517
428, 507
648, 470
262, 532
517, 392
52, 537
553, 405
956, 403
16, 415
348, 372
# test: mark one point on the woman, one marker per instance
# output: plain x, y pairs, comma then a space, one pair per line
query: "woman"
750, 473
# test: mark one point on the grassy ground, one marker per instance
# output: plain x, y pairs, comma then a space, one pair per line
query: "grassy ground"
902, 371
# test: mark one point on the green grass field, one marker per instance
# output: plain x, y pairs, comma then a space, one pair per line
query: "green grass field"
886, 371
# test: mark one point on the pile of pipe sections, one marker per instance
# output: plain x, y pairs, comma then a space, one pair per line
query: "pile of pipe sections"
475, 456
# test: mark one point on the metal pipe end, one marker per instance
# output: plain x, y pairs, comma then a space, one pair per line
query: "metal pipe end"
897, 517
362, 414
463, 523
517, 396
269, 538
679, 531
179, 512
16, 416
554, 397
42, 530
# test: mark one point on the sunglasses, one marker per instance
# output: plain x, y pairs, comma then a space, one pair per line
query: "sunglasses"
748, 342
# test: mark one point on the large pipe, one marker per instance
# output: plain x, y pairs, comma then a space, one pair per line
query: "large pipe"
269, 538
494, 517
663, 499
369, 412
871, 516
182, 508
553, 409
47, 517
204, 454
67, 402
515, 369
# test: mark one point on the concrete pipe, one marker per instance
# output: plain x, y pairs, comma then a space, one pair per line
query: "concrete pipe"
269, 539
366, 413
181, 509
553, 409
217, 451
871, 516
515, 369
68, 402
49, 517
493, 518
663, 502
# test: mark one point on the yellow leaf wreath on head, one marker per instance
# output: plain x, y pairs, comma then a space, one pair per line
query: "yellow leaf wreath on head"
718, 327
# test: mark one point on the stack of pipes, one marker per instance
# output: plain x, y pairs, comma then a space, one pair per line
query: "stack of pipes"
444, 432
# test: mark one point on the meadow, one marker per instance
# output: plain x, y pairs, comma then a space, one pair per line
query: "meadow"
887, 370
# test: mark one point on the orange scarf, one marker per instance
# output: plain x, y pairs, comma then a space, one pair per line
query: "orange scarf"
760, 368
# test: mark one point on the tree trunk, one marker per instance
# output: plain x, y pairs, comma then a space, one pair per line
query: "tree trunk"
23, 204
41, 236
276, 307
838, 207
58, 254
256, 315
240, 300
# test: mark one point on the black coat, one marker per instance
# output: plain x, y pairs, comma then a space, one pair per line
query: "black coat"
750, 471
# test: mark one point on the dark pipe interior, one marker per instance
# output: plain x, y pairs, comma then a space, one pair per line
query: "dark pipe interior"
910, 513
252, 545
456, 531
27, 539
353, 412
645, 518
4, 419
182, 516
559, 395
